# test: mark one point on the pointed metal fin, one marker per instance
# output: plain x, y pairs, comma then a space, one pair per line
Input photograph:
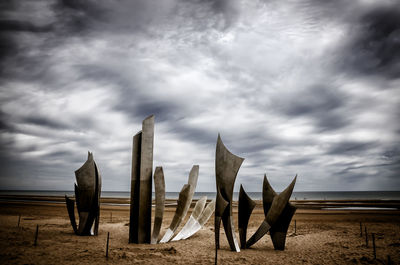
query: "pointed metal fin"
71, 212
246, 206
279, 203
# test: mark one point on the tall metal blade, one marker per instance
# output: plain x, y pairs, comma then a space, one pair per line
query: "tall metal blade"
246, 206
160, 199
135, 189
146, 171
71, 213
226, 168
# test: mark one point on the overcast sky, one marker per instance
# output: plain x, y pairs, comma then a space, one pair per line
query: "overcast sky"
301, 87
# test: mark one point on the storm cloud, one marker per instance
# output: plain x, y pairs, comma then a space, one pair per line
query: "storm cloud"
295, 87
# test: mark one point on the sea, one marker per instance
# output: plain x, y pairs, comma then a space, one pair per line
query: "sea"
296, 195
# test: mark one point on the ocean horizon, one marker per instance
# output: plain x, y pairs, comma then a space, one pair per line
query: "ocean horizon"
297, 195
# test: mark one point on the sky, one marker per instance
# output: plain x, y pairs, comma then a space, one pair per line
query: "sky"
305, 87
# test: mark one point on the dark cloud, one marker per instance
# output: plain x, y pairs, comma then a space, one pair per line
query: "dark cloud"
376, 47
20, 36
255, 142
350, 148
228, 9
44, 122
392, 153
317, 99
299, 161
15, 25
5, 123
194, 134
78, 16
324, 105
81, 16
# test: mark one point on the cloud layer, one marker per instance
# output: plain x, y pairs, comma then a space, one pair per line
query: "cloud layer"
302, 87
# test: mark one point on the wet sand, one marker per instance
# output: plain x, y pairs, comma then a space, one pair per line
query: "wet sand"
322, 236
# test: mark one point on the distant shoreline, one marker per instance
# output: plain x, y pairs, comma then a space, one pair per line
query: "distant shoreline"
375, 204
297, 195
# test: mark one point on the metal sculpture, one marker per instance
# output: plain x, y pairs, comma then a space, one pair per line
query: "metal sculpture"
184, 201
226, 168
159, 185
204, 217
202, 220
196, 212
87, 196
278, 214
141, 183
246, 206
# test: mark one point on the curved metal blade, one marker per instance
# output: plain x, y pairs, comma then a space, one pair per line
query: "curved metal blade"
197, 210
246, 206
226, 168
206, 214
268, 195
71, 212
183, 203
87, 195
279, 230
261, 231
160, 199
279, 203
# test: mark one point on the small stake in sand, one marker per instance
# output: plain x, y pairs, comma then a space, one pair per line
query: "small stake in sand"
361, 229
111, 217
36, 235
19, 219
216, 254
366, 236
294, 226
108, 240
389, 262
373, 244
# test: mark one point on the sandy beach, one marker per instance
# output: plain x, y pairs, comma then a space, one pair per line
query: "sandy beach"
321, 236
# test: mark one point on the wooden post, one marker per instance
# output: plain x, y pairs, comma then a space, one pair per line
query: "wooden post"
108, 240
295, 227
373, 244
366, 236
19, 219
389, 262
361, 230
36, 235
216, 254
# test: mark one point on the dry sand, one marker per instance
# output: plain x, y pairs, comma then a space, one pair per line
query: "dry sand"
322, 237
